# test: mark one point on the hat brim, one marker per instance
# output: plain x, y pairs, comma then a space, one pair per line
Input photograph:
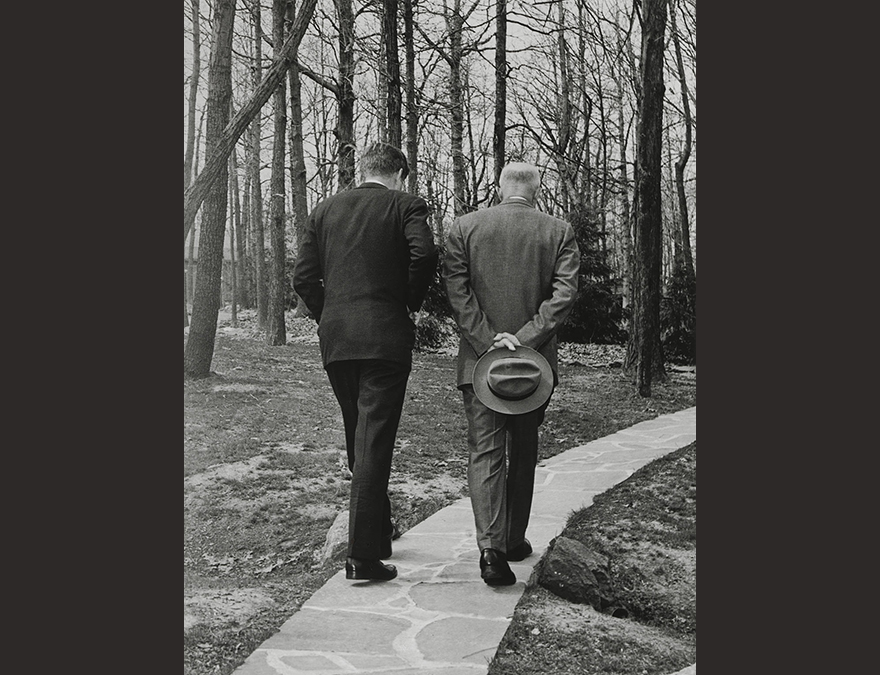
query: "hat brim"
512, 407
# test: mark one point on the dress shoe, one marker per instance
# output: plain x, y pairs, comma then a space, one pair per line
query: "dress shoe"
494, 568
369, 569
520, 552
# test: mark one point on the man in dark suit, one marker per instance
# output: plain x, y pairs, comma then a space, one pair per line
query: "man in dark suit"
510, 272
363, 267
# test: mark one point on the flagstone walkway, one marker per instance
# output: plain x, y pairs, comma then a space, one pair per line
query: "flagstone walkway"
438, 616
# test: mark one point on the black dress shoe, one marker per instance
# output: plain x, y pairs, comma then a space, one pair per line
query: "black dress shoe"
369, 569
494, 568
520, 552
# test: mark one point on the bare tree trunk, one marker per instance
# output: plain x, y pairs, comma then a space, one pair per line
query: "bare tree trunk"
191, 103
234, 227
297, 165
686, 258
241, 237
199, 349
625, 217
454, 24
500, 127
191, 266
257, 232
275, 331
392, 64
195, 194
563, 104
649, 229
412, 127
345, 124
191, 143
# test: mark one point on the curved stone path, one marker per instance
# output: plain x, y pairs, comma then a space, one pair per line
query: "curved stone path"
438, 616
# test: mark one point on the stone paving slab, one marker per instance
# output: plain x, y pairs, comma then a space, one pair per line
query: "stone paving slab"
438, 616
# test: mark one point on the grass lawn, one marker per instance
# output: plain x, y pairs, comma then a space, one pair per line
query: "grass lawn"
265, 472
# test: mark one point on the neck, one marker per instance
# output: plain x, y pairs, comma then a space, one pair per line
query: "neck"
388, 181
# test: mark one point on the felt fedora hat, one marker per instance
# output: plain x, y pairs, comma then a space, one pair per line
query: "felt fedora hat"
513, 382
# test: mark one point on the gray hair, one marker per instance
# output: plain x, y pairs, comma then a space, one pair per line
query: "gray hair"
520, 178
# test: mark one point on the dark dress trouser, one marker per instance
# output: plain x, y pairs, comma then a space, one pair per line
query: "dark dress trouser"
503, 455
370, 393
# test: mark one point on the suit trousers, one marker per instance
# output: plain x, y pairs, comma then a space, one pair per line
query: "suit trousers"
370, 393
503, 454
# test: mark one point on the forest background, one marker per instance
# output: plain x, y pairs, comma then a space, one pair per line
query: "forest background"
600, 95
281, 97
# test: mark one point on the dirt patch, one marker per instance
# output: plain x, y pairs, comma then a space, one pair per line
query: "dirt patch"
645, 527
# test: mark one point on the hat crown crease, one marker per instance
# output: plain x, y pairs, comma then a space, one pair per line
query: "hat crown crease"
513, 378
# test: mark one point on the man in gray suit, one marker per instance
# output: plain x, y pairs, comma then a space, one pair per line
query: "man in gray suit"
364, 266
511, 274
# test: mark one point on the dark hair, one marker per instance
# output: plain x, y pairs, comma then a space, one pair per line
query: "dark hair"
382, 159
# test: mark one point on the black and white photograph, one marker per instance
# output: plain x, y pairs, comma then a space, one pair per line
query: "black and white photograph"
439, 325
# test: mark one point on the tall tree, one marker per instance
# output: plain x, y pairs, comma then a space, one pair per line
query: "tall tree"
392, 66
644, 341
345, 120
500, 126
191, 131
193, 94
683, 256
455, 27
255, 133
241, 233
455, 19
298, 178
412, 115
199, 349
276, 331
195, 194
234, 233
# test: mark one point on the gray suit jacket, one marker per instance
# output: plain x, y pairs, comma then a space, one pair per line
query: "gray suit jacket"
509, 268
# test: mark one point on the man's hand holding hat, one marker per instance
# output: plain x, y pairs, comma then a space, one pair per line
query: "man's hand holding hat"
505, 340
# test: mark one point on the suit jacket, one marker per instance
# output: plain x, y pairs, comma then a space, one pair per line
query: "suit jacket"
365, 261
509, 268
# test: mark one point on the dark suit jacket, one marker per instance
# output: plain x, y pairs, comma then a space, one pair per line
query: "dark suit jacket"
509, 268
366, 259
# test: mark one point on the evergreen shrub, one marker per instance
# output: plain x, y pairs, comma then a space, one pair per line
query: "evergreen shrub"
597, 316
678, 319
